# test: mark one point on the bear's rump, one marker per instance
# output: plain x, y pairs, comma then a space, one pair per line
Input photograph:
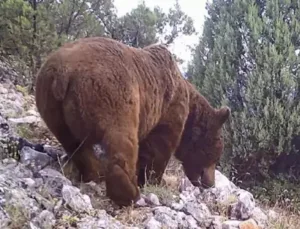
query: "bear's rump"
95, 105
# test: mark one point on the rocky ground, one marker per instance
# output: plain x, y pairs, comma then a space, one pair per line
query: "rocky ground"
36, 193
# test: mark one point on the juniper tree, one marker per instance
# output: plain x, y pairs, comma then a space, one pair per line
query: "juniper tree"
247, 59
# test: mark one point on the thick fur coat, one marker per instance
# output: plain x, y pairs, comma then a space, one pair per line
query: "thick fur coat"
136, 105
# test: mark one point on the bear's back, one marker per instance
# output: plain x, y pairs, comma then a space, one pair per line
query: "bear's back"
120, 72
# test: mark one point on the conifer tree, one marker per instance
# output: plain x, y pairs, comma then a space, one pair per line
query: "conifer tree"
247, 59
31, 29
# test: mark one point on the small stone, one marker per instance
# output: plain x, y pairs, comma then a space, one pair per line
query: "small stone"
77, 201
249, 224
7, 161
178, 206
152, 223
152, 199
29, 182
231, 224
3, 90
141, 202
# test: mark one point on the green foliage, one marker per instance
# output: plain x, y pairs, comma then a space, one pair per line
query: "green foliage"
31, 29
15, 26
140, 27
19, 217
15, 29
143, 26
247, 59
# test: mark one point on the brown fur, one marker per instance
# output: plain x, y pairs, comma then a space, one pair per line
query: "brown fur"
136, 105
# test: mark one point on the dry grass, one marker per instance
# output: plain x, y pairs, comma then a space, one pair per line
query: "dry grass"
97, 193
66, 220
168, 190
174, 168
164, 193
133, 216
17, 215
283, 218
285, 221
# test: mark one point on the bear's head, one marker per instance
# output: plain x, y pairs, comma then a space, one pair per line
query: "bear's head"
204, 147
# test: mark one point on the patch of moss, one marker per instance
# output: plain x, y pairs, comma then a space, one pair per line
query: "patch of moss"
23, 90
17, 216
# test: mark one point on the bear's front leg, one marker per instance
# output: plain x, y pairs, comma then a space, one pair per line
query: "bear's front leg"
121, 179
155, 152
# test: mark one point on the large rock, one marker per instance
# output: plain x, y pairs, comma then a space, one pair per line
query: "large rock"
33, 159
45, 200
75, 200
244, 207
222, 191
34, 198
102, 221
199, 211
168, 218
45, 220
53, 181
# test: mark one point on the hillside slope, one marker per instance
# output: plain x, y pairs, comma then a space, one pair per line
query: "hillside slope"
36, 193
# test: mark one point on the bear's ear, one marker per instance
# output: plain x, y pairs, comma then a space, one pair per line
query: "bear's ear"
223, 114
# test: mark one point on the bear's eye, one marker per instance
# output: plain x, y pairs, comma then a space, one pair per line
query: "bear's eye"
215, 139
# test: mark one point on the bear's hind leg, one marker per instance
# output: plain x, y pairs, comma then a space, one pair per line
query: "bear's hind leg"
90, 167
121, 182
80, 154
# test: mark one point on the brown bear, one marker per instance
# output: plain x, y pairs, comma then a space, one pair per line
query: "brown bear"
137, 106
